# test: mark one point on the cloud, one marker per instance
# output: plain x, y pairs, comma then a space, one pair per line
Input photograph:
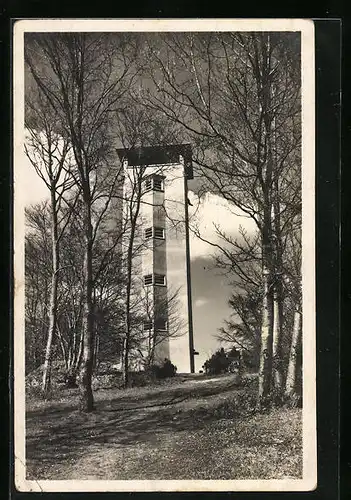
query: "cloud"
200, 302
205, 215
29, 188
208, 213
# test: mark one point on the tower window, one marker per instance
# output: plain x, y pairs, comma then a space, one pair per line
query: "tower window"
158, 184
147, 325
156, 232
159, 233
161, 324
156, 279
148, 233
160, 279
154, 182
148, 279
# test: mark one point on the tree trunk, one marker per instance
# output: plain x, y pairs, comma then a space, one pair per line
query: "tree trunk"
96, 351
153, 347
265, 370
266, 177
63, 349
86, 369
53, 299
136, 199
278, 298
126, 365
128, 310
291, 378
78, 356
277, 347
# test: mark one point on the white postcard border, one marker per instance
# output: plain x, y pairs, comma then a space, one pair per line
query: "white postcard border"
306, 27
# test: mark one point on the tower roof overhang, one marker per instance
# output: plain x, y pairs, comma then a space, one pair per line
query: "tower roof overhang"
158, 155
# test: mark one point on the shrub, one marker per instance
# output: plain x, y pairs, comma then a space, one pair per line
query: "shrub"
70, 378
166, 370
141, 379
217, 363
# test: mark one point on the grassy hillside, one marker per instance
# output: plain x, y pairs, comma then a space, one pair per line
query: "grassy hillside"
193, 428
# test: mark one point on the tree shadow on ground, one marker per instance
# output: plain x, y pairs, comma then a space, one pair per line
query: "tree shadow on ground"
57, 433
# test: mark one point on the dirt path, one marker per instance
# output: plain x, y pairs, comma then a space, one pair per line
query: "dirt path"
173, 432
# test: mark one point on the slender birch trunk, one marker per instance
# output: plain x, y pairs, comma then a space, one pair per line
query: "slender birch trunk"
86, 369
63, 350
277, 347
75, 363
266, 349
79, 355
278, 305
266, 177
135, 199
53, 299
153, 348
265, 370
96, 351
128, 309
291, 378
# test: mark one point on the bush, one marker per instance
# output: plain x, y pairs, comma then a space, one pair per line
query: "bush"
142, 378
57, 378
70, 379
217, 363
166, 370
223, 362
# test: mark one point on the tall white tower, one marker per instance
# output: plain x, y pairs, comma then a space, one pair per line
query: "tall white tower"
163, 266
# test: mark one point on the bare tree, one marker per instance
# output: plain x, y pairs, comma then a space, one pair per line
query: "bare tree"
133, 206
158, 323
108, 288
38, 272
71, 300
243, 328
84, 77
237, 96
48, 153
